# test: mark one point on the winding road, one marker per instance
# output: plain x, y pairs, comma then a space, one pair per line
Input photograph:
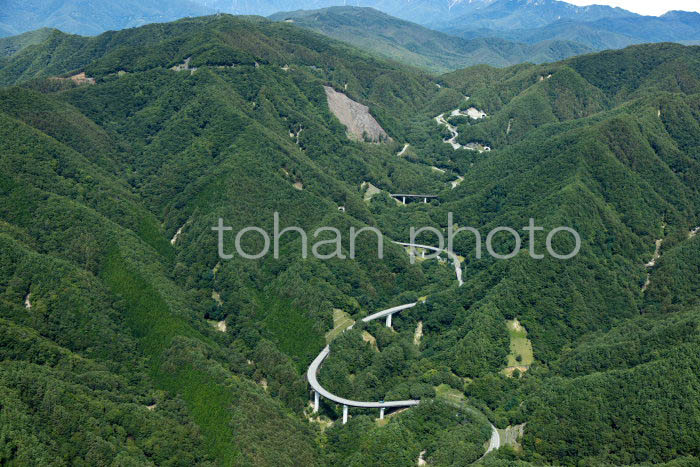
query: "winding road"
440, 119
455, 259
312, 371
472, 113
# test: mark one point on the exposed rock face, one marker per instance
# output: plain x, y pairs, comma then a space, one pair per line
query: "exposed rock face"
78, 79
371, 190
185, 66
360, 124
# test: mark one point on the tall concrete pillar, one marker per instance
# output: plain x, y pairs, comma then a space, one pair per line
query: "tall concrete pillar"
403, 199
425, 200
381, 413
345, 414
316, 401
388, 320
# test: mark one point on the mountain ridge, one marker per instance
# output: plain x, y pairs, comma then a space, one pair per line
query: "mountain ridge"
415, 45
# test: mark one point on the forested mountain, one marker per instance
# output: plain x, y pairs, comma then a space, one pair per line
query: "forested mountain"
127, 340
544, 23
11, 45
493, 32
503, 15
415, 45
96, 16
417, 11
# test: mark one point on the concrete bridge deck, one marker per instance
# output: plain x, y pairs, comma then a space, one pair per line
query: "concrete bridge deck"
311, 375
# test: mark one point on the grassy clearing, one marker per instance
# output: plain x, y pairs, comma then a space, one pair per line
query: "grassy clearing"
341, 321
450, 394
371, 191
521, 355
418, 334
367, 337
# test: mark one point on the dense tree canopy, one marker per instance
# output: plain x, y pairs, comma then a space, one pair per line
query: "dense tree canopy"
126, 339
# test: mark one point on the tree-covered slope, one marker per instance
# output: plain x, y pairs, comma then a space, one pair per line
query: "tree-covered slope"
114, 300
415, 45
610, 160
11, 45
100, 177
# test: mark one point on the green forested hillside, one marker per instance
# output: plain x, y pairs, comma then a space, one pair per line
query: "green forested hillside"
127, 340
11, 45
416, 45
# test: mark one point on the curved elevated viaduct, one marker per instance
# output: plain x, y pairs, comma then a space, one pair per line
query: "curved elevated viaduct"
312, 372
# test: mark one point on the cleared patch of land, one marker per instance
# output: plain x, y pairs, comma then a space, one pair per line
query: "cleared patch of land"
418, 334
341, 321
510, 436
521, 355
371, 190
388, 415
216, 296
218, 325
367, 337
360, 124
450, 394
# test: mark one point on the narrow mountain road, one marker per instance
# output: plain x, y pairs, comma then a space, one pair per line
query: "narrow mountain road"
455, 259
652, 263
472, 113
440, 119
495, 441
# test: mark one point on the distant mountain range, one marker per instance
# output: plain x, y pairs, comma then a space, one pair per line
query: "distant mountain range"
518, 14
597, 27
495, 32
416, 45
90, 17
419, 11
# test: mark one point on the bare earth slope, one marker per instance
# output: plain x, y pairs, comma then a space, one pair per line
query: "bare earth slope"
356, 117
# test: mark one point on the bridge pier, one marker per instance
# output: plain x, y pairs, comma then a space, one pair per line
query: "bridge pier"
381, 413
317, 401
345, 414
404, 198
388, 320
